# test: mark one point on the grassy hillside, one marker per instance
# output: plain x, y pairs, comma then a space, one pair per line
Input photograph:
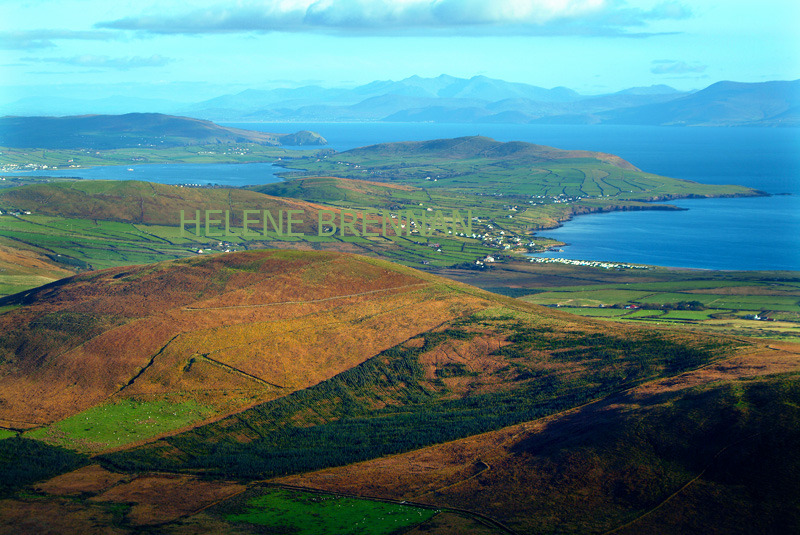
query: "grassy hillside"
50, 230
79, 225
361, 193
22, 269
137, 202
483, 166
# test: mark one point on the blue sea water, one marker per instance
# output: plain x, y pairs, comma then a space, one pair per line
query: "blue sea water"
748, 233
235, 175
743, 233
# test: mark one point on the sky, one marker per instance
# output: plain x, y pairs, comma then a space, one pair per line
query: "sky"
189, 51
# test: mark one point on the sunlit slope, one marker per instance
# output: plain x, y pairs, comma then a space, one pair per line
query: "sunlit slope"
146, 202
22, 269
500, 364
217, 329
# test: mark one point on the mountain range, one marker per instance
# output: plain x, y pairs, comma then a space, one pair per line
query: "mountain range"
472, 100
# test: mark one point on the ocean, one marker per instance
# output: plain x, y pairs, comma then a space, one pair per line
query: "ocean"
746, 233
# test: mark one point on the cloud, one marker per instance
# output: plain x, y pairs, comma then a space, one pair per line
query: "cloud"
106, 62
37, 39
431, 17
668, 66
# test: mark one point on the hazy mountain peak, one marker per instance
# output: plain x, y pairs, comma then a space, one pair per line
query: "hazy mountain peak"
659, 89
478, 99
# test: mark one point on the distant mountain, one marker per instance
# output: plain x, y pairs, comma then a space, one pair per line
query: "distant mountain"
132, 130
380, 100
659, 89
720, 104
448, 99
522, 110
479, 99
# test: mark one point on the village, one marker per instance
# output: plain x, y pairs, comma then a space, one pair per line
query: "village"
589, 263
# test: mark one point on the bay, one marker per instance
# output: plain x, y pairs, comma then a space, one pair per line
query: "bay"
201, 174
728, 234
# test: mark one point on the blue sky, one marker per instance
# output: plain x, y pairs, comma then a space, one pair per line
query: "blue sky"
189, 51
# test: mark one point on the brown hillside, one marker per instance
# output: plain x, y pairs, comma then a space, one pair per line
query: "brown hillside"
266, 322
708, 451
19, 262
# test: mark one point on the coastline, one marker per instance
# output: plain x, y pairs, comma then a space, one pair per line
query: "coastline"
636, 206
717, 234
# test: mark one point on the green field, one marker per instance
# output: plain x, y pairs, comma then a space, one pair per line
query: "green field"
120, 423
83, 243
5, 433
479, 165
596, 312
309, 513
624, 296
720, 301
694, 315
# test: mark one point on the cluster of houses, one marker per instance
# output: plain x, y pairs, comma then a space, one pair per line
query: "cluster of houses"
758, 317
16, 212
11, 167
488, 259
590, 263
222, 246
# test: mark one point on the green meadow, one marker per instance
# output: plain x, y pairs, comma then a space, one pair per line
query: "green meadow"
84, 243
309, 513
119, 423
725, 301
